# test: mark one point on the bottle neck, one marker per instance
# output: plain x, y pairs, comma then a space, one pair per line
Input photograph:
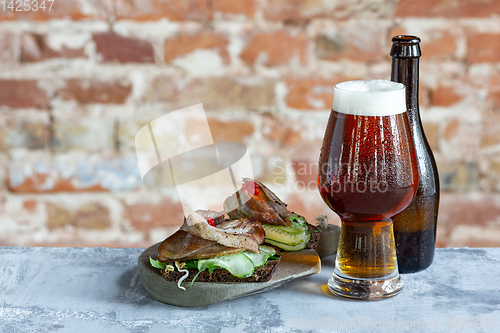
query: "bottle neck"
405, 71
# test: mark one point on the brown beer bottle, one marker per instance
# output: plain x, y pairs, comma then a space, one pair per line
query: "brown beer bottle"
415, 227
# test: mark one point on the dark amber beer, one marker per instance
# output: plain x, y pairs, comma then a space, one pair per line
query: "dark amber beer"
415, 227
368, 174
381, 182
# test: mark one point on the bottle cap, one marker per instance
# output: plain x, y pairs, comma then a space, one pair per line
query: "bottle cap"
405, 46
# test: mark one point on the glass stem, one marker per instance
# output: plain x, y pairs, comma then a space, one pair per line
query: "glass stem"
366, 250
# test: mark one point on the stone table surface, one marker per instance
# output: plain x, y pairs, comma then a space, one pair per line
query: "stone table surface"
99, 290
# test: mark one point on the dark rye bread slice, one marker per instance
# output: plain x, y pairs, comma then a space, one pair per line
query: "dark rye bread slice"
260, 274
315, 234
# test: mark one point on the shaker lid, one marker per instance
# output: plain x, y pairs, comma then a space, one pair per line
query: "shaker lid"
405, 46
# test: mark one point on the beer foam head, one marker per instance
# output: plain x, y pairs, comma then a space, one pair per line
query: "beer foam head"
369, 98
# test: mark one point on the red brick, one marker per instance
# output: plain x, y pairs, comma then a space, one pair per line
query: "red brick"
221, 130
34, 47
347, 45
445, 96
112, 47
308, 146
90, 216
22, 94
281, 133
215, 93
441, 241
458, 176
491, 130
66, 9
447, 8
8, 48
7, 242
174, 10
73, 173
90, 134
494, 168
493, 95
432, 134
452, 129
311, 93
483, 47
468, 219
476, 210
275, 48
241, 7
147, 216
184, 44
30, 205
295, 10
58, 216
306, 172
35, 184
90, 91
269, 169
24, 131
126, 129
424, 96
233, 130
443, 47
467, 208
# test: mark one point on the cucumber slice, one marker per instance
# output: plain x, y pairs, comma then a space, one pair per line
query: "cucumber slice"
294, 229
257, 259
287, 247
298, 219
267, 249
260, 259
279, 234
237, 264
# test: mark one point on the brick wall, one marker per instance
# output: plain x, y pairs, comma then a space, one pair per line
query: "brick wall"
77, 83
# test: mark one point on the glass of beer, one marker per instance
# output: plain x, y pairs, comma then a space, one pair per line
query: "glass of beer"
367, 174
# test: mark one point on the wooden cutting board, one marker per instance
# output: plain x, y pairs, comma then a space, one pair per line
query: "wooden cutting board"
293, 265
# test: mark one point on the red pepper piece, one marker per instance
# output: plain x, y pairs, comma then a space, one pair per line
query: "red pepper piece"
250, 187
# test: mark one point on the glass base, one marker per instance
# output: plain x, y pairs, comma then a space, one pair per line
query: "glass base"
366, 289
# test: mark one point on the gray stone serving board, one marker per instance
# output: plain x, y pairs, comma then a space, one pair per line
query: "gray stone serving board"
293, 265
